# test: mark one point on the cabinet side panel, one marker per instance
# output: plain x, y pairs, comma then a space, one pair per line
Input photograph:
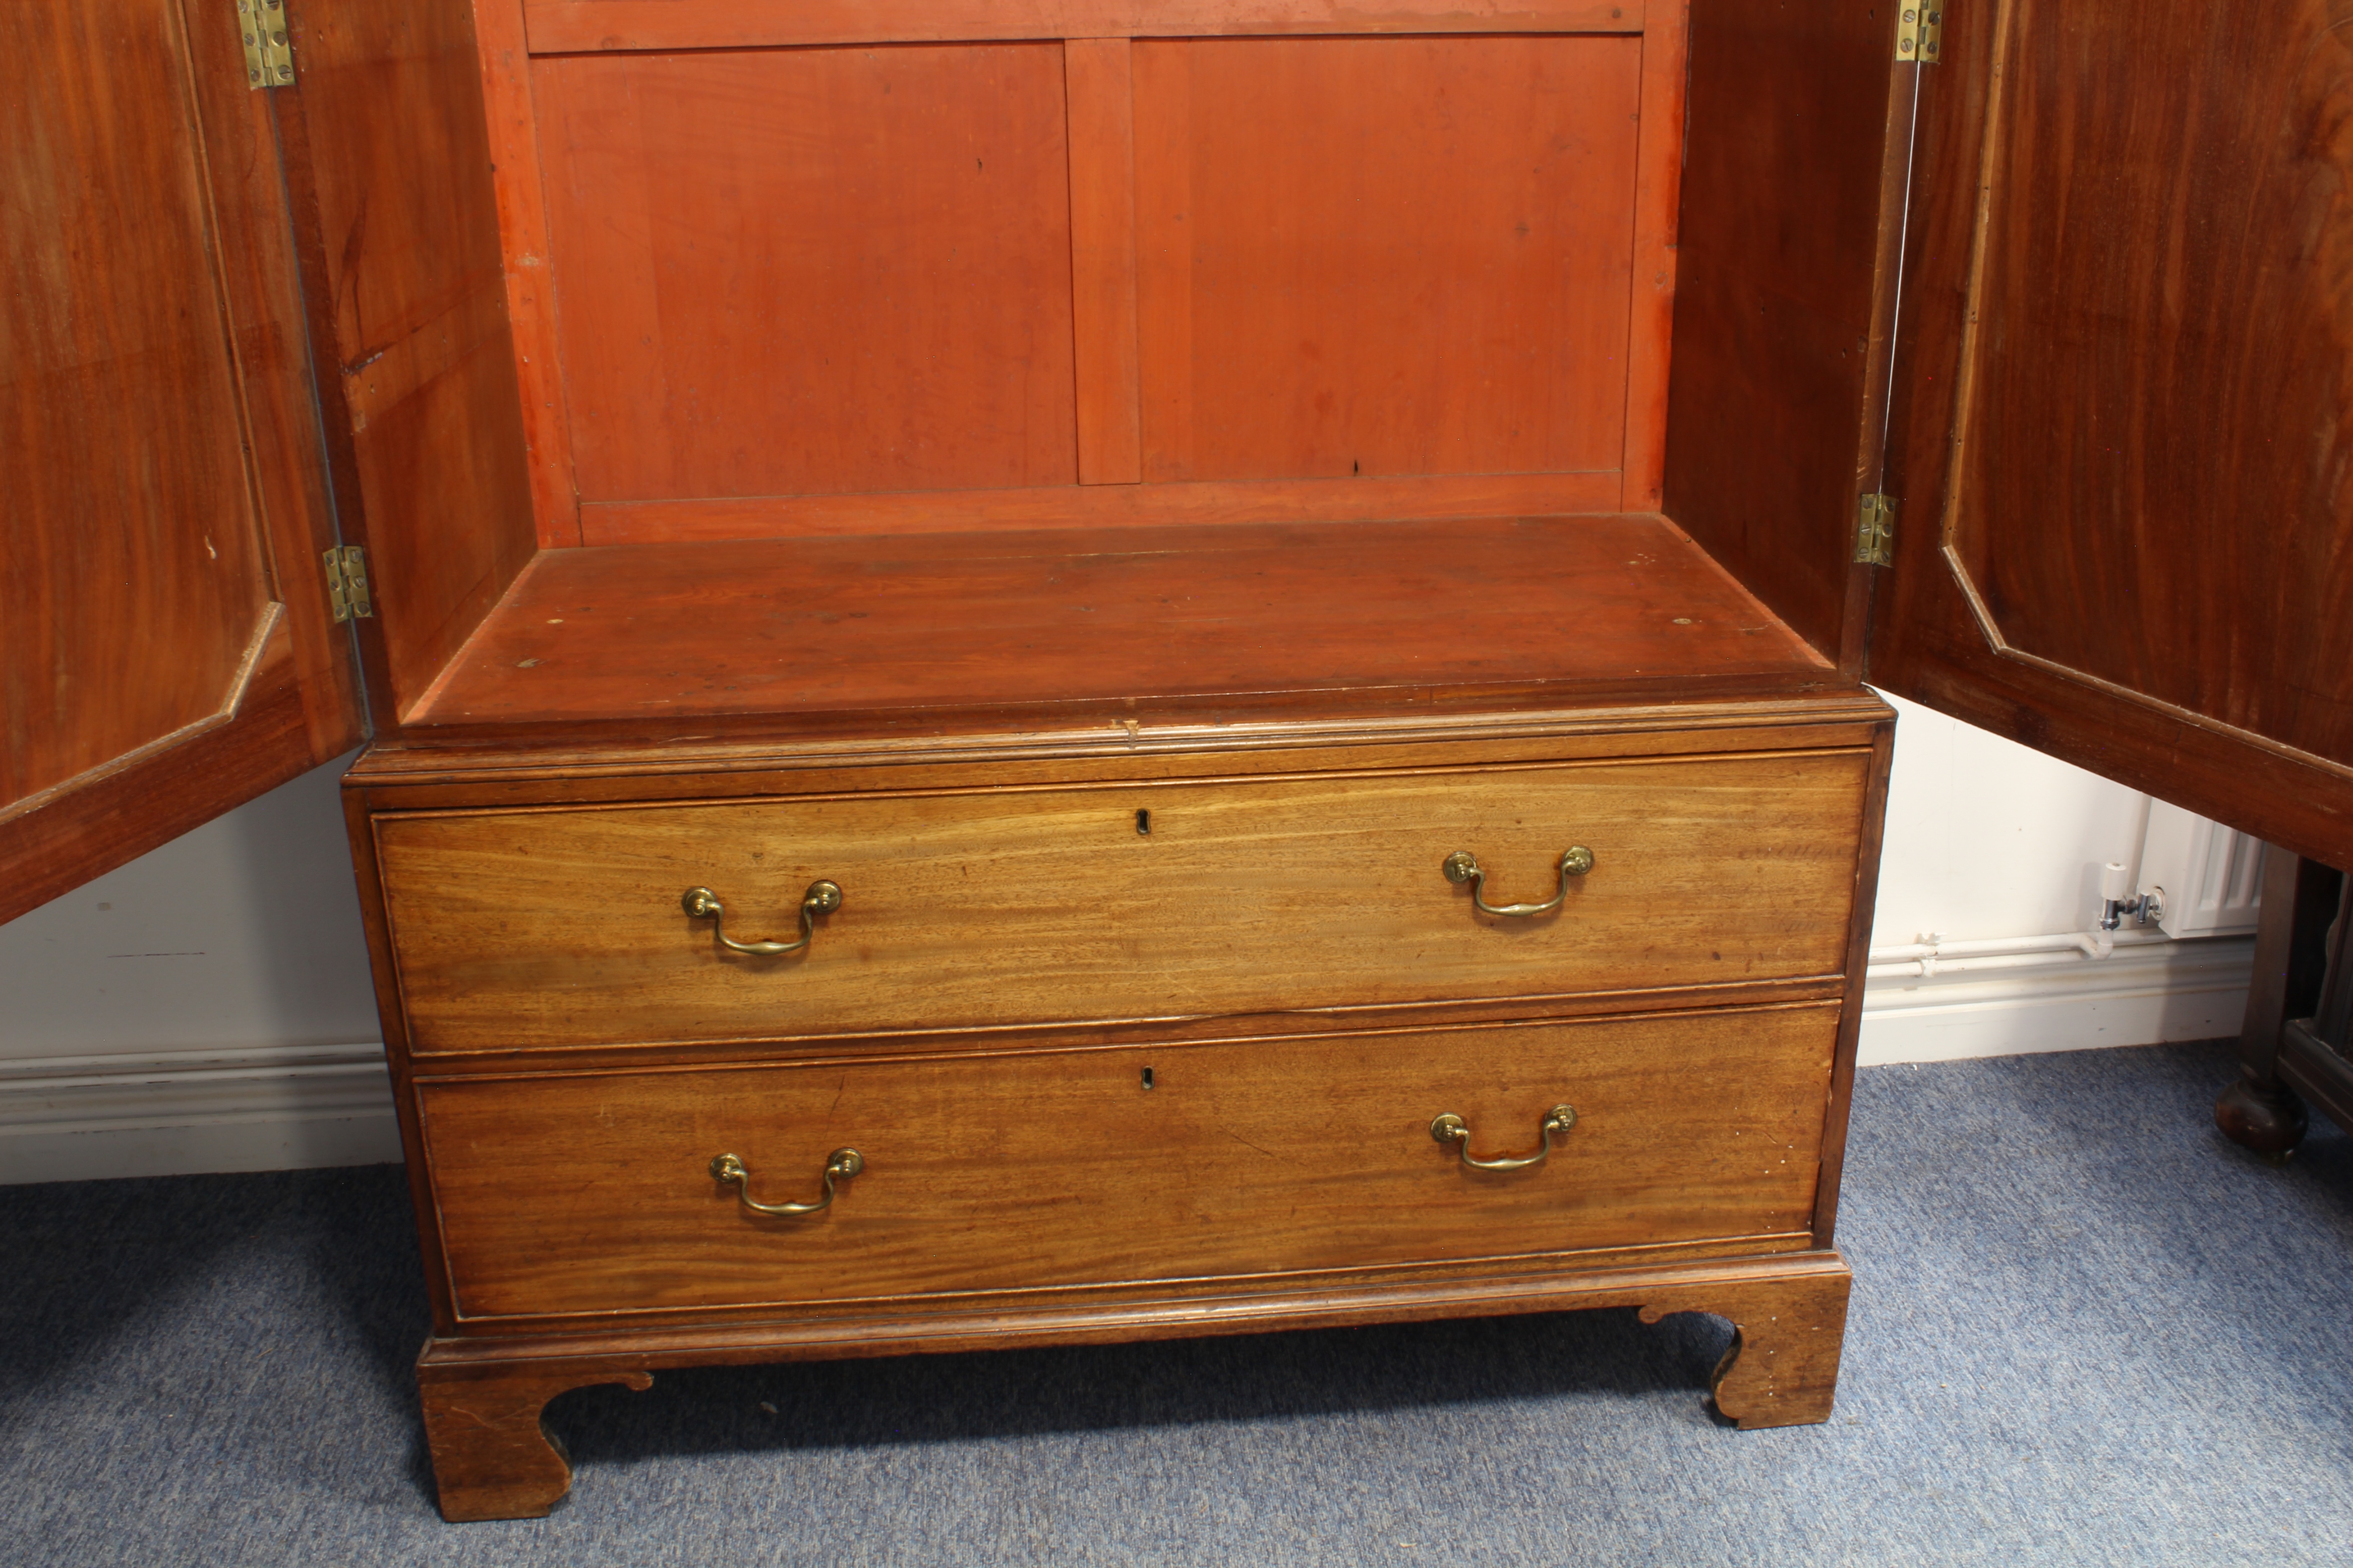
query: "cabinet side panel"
389, 162
1792, 211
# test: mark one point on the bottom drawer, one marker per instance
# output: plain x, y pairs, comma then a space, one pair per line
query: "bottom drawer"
593, 1192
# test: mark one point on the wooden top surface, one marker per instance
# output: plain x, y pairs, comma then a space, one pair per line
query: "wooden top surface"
1048, 618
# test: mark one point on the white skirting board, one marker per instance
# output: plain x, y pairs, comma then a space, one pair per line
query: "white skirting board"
2194, 990
285, 1108
278, 1108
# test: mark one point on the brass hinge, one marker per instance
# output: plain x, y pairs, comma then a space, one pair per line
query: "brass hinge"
269, 58
1920, 33
1875, 533
347, 584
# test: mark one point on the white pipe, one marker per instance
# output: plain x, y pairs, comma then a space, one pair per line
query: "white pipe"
1917, 961
2085, 942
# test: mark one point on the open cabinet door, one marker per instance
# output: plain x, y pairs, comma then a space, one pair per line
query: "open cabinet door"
167, 649
2123, 432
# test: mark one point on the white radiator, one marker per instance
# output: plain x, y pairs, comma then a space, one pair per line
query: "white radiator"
2209, 878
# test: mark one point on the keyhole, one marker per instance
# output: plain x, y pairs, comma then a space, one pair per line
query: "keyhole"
1147, 1078
1143, 824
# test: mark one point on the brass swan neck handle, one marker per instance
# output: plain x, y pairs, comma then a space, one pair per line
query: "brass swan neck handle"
1451, 1128
1463, 866
822, 899
840, 1165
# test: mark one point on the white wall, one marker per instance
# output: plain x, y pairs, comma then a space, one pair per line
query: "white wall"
1988, 839
207, 1006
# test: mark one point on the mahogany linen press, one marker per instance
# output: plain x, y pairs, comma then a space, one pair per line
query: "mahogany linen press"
1056, 670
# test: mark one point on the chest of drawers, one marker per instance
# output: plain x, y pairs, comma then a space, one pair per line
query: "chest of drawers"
1202, 1032
1127, 494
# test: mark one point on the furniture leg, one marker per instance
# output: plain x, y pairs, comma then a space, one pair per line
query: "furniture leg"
1782, 1369
493, 1458
2259, 1112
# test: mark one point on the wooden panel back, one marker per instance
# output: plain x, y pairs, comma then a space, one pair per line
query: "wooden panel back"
561, 926
821, 270
1384, 256
572, 26
830, 290
592, 1194
134, 575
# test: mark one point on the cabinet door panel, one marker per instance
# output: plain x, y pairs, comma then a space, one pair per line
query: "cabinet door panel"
2125, 444
160, 660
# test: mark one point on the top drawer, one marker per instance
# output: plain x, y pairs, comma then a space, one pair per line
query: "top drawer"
564, 926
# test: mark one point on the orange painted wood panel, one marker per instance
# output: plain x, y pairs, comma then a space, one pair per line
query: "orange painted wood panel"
1658, 194
997, 909
594, 1194
530, 291
1384, 256
1102, 506
1102, 257
812, 271
1059, 617
560, 27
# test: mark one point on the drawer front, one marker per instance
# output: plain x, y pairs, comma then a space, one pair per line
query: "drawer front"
564, 926
591, 1192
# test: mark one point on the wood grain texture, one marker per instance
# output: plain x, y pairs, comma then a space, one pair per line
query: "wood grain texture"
521, 194
493, 1458
124, 513
1787, 1334
994, 909
289, 699
1870, 835
2156, 479
1657, 198
819, 271
1384, 256
929, 622
559, 26
118, 814
472, 771
399, 241
1102, 257
1747, 1289
1791, 223
2158, 379
1105, 505
1064, 1169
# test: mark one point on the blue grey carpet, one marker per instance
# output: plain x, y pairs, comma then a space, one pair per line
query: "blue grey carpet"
2086, 1331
